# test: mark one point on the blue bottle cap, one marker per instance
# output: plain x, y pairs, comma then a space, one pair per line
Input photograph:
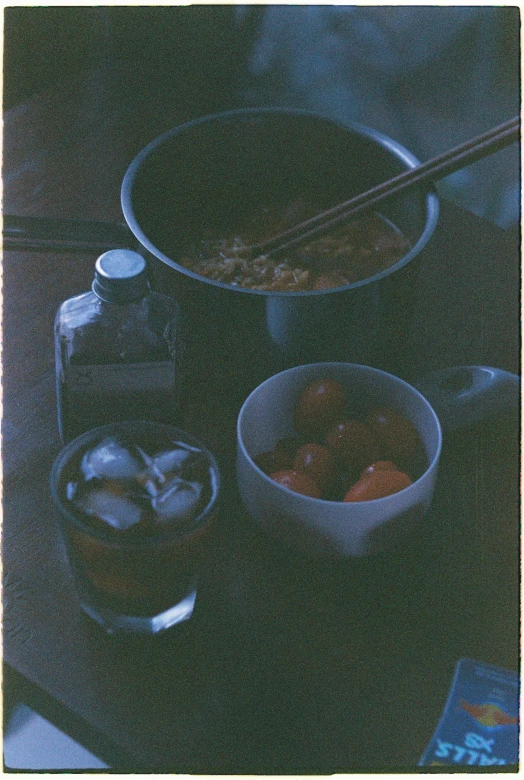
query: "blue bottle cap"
120, 276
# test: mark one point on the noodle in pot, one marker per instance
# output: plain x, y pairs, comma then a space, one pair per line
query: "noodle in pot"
344, 256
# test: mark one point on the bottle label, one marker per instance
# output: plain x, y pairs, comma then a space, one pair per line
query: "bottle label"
93, 395
121, 378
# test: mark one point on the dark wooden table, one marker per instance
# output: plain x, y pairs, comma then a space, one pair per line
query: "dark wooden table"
288, 666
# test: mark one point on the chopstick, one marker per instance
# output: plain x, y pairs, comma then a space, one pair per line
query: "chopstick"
443, 165
46, 234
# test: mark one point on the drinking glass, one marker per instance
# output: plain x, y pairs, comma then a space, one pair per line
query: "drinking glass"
136, 575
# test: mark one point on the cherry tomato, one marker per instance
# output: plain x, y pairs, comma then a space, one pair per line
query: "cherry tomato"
379, 465
320, 404
317, 462
297, 481
396, 435
352, 444
377, 485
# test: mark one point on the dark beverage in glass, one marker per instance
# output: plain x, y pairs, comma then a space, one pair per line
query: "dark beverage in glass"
138, 504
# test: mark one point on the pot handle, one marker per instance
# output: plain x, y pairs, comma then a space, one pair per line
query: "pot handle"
464, 395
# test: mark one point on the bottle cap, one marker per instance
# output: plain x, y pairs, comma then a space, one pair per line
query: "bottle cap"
120, 276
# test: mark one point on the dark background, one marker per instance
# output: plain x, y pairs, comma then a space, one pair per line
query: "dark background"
45, 46
49, 45
429, 77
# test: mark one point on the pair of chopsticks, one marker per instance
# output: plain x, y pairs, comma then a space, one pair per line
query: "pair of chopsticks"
46, 234
443, 165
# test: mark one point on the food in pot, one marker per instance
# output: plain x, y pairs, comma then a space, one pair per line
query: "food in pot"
344, 454
348, 254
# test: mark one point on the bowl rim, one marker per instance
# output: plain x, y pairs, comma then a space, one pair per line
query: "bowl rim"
394, 147
432, 466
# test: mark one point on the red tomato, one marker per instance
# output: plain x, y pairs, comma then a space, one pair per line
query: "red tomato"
317, 462
320, 404
377, 485
396, 435
352, 443
297, 481
379, 465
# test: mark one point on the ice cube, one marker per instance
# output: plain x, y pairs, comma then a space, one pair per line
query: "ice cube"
151, 477
149, 485
71, 489
159, 468
170, 461
117, 510
178, 501
109, 460
184, 445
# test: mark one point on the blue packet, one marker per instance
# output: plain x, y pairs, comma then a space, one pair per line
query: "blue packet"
480, 723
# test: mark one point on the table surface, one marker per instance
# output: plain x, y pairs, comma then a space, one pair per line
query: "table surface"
287, 666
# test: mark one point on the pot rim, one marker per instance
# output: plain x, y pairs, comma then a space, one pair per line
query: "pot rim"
394, 147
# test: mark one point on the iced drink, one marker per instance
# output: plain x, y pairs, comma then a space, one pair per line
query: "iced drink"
138, 503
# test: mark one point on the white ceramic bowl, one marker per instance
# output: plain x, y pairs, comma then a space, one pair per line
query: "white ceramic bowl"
314, 526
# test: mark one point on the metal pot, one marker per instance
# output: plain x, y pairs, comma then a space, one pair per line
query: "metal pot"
216, 169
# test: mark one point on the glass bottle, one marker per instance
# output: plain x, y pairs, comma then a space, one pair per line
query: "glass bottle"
117, 349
